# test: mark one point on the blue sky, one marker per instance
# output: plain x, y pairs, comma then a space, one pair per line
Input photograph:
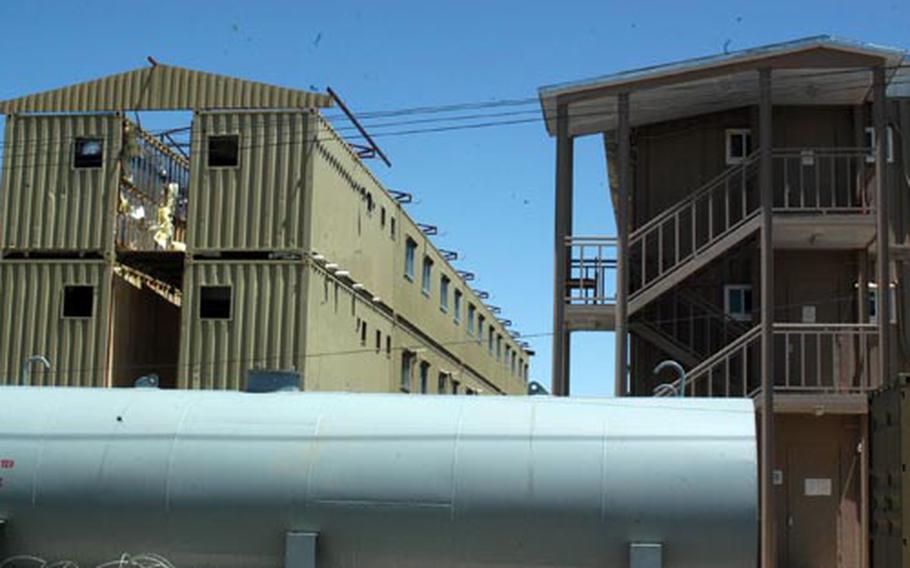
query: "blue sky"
489, 190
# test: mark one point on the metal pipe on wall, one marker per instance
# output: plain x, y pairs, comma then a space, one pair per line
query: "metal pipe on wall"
220, 478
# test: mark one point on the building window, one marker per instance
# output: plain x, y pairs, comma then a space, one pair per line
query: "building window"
392, 228
410, 251
378, 341
382, 217
480, 321
78, 302
388, 345
407, 370
471, 312
442, 383
426, 283
870, 143
457, 306
88, 153
215, 302
738, 301
454, 387
363, 334
424, 377
444, 293
512, 364
508, 356
490, 339
499, 348
469, 391
873, 304
224, 151
739, 145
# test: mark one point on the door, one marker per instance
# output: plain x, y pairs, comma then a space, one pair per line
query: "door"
813, 502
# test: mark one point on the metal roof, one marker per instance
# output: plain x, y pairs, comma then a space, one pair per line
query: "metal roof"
803, 75
164, 87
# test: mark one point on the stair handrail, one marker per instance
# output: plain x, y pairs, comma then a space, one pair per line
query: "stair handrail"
700, 192
699, 370
714, 311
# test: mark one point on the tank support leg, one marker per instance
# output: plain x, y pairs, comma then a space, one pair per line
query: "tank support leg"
300, 550
645, 555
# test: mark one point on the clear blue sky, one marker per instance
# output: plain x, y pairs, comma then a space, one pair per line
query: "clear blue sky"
490, 190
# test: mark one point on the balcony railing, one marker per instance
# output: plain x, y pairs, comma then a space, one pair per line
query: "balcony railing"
808, 358
822, 180
592, 267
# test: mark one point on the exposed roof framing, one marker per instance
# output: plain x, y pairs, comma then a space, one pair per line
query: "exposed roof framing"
164, 87
815, 70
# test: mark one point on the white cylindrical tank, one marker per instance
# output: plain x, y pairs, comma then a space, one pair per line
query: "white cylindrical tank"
218, 478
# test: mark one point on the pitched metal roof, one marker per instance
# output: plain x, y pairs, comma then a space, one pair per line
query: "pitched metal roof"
164, 87
718, 81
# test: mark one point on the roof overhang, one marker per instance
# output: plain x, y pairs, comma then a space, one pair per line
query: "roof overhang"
165, 87
811, 71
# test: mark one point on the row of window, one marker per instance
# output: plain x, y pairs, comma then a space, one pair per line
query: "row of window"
509, 357
445, 382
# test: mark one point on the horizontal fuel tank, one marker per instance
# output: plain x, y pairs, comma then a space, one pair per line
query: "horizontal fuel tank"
218, 479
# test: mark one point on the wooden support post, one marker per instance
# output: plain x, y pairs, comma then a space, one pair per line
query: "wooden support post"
882, 230
564, 181
864, 493
622, 240
768, 552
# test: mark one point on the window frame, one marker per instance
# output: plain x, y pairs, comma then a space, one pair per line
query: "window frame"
63, 302
208, 151
424, 377
426, 276
458, 299
410, 257
81, 140
472, 317
202, 288
873, 303
406, 379
444, 284
746, 314
870, 138
729, 134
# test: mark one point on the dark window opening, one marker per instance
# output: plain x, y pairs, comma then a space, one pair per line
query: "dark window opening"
88, 153
215, 302
378, 341
78, 301
224, 151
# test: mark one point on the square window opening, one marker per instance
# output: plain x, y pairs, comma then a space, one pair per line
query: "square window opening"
88, 153
215, 302
738, 144
738, 301
224, 151
78, 302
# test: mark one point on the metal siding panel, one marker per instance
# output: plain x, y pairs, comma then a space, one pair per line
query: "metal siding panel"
31, 295
257, 205
164, 88
47, 204
263, 330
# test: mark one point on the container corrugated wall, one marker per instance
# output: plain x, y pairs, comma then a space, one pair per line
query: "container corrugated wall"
164, 87
47, 204
257, 205
32, 322
265, 328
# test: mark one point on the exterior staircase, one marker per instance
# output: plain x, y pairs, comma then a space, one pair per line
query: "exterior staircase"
689, 235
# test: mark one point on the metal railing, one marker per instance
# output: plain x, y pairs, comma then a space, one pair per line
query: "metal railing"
681, 232
821, 180
691, 322
153, 192
809, 358
590, 261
